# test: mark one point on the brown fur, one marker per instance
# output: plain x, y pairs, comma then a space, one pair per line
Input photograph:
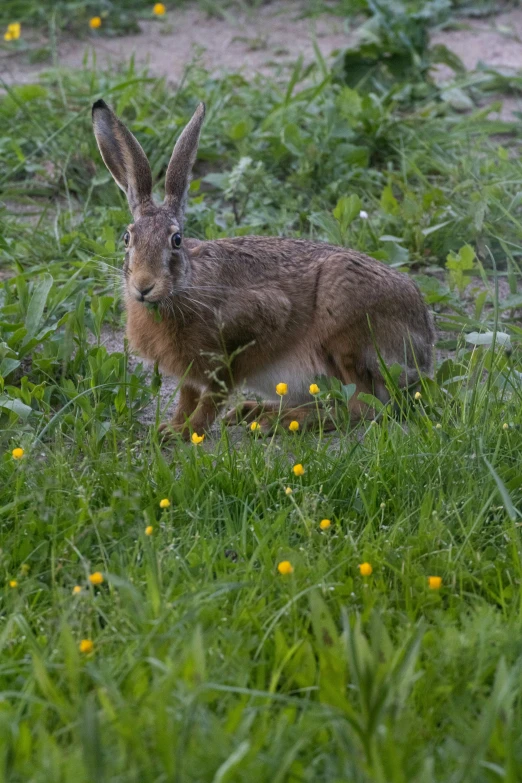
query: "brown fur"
249, 309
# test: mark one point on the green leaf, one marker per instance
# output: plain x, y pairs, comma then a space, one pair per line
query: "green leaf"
458, 264
347, 209
389, 203
16, 406
37, 305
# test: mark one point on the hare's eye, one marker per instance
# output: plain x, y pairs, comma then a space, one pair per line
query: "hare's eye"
126, 239
175, 240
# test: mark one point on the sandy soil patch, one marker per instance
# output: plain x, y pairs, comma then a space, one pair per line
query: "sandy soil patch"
261, 42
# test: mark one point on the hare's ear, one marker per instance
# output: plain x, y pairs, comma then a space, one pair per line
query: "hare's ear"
178, 173
123, 156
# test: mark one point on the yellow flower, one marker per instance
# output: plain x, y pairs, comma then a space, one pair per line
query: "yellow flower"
314, 388
95, 22
165, 503
25, 568
149, 530
86, 646
435, 582
505, 426
77, 589
418, 395
13, 31
324, 524
365, 569
298, 469
288, 491
285, 567
438, 426
159, 9
96, 578
282, 389
293, 426
13, 583
254, 426
17, 453
197, 438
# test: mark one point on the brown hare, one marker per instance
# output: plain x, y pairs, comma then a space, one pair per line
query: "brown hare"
253, 311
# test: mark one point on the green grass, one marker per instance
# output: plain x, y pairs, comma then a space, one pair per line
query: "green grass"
210, 666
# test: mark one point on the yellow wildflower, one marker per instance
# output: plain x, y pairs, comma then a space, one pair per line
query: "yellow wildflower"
314, 388
86, 646
13, 31
365, 569
197, 438
95, 22
17, 453
298, 469
288, 491
282, 389
159, 9
434, 582
165, 503
13, 583
324, 524
149, 530
418, 395
77, 589
96, 578
285, 567
505, 426
293, 426
254, 426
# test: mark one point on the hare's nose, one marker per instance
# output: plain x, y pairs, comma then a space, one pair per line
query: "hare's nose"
144, 291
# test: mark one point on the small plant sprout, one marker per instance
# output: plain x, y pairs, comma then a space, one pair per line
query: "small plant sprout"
86, 646
196, 439
298, 469
365, 569
293, 426
324, 524
434, 582
282, 389
96, 578
165, 503
285, 567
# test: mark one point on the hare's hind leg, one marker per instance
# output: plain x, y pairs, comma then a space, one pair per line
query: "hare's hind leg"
268, 415
195, 410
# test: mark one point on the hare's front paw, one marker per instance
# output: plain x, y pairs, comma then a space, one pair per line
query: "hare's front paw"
169, 429
247, 411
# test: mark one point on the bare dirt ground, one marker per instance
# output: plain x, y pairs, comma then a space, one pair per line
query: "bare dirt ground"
271, 38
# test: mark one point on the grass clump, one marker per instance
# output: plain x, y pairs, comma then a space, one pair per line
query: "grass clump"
184, 613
